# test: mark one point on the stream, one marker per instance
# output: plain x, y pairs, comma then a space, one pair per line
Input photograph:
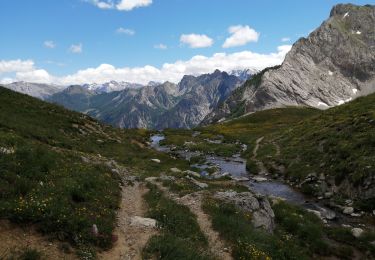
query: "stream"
236, 167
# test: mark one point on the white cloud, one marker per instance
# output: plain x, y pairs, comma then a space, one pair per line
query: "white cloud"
121, 5
196, 40
49, 44
240, 35
285, 39
128, 5
76, 48
7, 66
168, 72
105, 4
35, 76
125, 31
161, 46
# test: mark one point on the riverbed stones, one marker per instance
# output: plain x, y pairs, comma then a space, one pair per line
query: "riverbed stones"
259, 179
348, 210
262, 213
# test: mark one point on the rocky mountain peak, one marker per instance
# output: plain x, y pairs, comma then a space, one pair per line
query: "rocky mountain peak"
333, 65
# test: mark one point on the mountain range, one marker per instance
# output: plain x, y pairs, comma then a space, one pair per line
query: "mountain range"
157, 106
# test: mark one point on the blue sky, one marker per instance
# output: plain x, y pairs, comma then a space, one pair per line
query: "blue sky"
50, 40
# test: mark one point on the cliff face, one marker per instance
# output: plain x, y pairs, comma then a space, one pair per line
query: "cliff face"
333, 65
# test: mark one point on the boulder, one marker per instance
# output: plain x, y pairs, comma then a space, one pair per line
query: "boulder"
259, 206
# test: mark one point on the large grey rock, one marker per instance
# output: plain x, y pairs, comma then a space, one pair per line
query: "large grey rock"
262, 213
333, 65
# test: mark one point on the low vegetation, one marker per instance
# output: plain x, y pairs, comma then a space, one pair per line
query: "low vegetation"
181, 237
56, 171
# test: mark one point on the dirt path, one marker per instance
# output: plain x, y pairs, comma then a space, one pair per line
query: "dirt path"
131, 239
261, 167
216, 244
194, 203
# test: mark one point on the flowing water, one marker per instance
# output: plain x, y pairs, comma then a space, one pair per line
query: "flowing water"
236, 167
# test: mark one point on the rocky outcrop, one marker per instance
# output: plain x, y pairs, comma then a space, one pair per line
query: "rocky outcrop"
333, 65
259, 206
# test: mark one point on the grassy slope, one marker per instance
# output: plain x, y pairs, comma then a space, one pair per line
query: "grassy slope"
339, 142
45, 180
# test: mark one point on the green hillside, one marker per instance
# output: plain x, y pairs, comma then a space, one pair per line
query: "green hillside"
338, 143
61, 170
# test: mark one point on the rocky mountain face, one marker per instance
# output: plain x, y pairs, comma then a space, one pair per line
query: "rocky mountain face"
333, 65
158, 106
41, 91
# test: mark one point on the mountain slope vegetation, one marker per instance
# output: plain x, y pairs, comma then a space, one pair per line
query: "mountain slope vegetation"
61, 170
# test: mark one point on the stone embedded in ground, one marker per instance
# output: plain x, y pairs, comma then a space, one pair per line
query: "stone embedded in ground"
262, 213
175, 170
192, 173
142, 222
201, 185
357, 232
156, 160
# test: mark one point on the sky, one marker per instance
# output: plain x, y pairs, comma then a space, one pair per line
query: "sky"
68, 42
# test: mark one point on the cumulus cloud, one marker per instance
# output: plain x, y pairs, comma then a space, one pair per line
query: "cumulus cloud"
161, 46
76, 48
285, 39
240, 35
7, 66
168, 72
125, 31
121, 5
49, 44
196, 40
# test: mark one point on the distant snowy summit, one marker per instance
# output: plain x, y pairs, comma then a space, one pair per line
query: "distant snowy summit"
110, 86
244, 74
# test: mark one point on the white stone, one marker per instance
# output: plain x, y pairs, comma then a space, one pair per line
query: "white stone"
175, 170
357, 232
259, 179
348, 210
142, 222
155, 160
